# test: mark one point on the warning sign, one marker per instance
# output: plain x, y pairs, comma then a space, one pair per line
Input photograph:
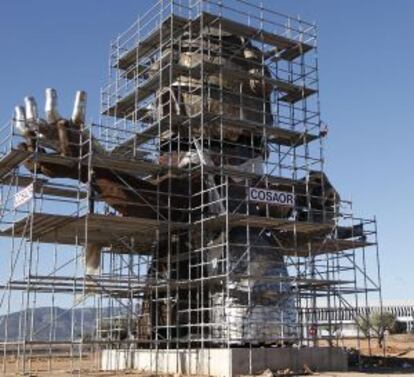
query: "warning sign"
23, 196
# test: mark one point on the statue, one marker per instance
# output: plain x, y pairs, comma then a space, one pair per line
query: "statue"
258, 304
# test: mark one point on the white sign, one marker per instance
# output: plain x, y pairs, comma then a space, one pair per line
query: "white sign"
271, 197
23, 196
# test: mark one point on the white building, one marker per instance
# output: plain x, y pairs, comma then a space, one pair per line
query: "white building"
343, 319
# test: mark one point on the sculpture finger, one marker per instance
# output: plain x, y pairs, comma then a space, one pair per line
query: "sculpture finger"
20, 120
55, 128
32, 121
37, 125
78, 119
23, 126
51, 106
79, 108
45, 134
31, 111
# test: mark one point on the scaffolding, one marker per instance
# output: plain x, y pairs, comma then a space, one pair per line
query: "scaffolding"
196, 214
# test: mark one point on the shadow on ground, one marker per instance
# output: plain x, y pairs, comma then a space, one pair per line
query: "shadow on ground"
386, 365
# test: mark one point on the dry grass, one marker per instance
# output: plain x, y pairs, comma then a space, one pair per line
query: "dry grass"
59, 367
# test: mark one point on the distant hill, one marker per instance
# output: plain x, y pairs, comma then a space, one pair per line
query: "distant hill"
42, 323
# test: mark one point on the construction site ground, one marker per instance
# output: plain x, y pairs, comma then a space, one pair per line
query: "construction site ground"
398, 361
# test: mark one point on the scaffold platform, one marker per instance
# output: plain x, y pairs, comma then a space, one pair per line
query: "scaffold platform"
174, 26
91, 228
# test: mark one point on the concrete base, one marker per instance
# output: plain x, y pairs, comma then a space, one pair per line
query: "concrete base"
221, 362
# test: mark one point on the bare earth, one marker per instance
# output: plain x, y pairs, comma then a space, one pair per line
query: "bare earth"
399, 361
360, 374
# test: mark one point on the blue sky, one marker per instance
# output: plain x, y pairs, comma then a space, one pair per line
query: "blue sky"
366, 63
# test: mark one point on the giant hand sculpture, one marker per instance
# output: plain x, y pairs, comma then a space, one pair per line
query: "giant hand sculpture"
67, 137
53, 132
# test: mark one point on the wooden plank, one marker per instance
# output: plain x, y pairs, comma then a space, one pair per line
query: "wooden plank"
234, 172
19, 180
293, 92
294, 51
336, 245
303, 229
275, 135
12, 160
137, 167
42, 187
116, 163
63, 284
108, 230
282, 224
264, 36
297, 94
152, 42
101, 229
289, 49
133, 167
128, 104
166, 76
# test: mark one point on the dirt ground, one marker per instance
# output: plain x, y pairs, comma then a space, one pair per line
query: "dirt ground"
395, 346
395, 359
367, 374
399, 361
